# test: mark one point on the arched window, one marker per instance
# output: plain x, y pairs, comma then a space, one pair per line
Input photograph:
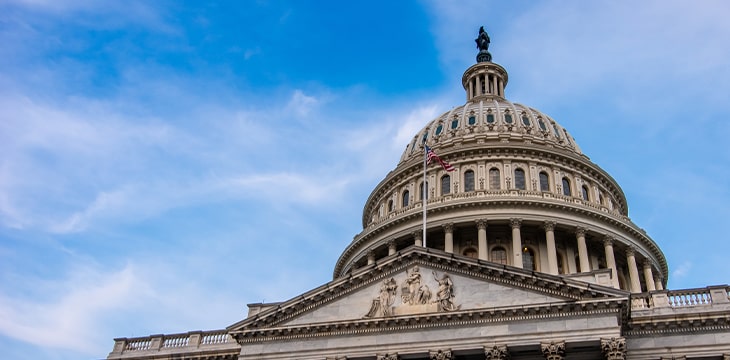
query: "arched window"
520, 179
544, 182
528, 259
494, 180
499, 255
470, 252
566, 187
420, 191
445, 185
390, 205
469, 180
406, 198
584, 192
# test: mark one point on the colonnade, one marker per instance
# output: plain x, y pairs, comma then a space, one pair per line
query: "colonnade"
485, 83
651, 280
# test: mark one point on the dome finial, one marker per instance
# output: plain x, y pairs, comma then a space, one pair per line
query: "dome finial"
483, 45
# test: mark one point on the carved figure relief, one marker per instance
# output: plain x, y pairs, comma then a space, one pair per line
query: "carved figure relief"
415, 296
383, 304
445, 295
412, 292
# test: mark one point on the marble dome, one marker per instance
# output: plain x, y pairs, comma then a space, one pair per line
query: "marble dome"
522, 194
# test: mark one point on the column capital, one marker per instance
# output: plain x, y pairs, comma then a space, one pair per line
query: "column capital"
481, 224
497, 352
553, 350
515, 222
614, 348
549, 225
630, 251
580, 231
646, 263
418, 235
390, 243
440, 355
608, 240
448, 227
388, 356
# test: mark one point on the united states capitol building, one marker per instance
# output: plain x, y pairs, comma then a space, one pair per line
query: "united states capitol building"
528, 253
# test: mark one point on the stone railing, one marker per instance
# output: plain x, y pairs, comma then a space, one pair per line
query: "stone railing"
679, 299
200, 340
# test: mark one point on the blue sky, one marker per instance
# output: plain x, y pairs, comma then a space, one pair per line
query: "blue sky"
162, 164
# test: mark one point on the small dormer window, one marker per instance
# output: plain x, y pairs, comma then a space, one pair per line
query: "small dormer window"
439, 129
508, 118
557, 133
490, 118
541, 124
455, 123
472, 120
425, 137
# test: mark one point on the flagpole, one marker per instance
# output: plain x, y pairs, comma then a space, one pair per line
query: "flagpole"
424, 196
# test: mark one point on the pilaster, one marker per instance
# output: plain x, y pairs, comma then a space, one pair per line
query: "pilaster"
516, 242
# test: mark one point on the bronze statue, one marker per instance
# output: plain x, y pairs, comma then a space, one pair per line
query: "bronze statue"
483, 45
482, 40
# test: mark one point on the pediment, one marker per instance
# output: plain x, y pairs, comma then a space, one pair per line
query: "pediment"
419, 283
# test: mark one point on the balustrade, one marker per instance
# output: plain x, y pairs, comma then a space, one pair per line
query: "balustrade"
174, 341
679, 299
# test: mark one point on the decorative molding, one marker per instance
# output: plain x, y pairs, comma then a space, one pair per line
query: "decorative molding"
614, 348
497, 352
553, 350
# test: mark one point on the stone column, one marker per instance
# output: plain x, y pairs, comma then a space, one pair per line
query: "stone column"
516, 242
580, 234
648, 276
553, 350
614, 348
633, 270
371, 257
479, 85
552, 254
440, 355
658, 283
418, 238
497, 352
482, 239
611, 260
449, 238
391, 247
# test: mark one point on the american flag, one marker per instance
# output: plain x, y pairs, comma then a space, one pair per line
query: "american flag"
432, 156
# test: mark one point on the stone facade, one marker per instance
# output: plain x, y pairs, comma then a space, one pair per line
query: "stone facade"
529, 253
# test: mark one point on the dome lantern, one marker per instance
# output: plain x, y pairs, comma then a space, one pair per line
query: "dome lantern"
484, 79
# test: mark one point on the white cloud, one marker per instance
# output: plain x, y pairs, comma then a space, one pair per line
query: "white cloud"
302, 104
682, 271
67, 314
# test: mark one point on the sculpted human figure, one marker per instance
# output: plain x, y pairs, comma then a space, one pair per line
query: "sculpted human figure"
413, 292
445, 295
383, 304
